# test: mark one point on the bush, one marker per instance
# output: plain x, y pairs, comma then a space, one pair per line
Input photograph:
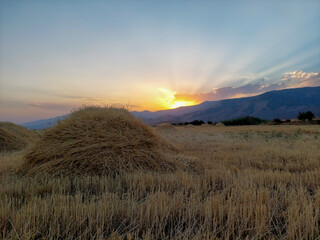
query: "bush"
277, 120
248, 120
306, 115
197, 122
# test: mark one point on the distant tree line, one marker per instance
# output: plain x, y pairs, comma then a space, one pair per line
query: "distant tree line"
249, 120
302, 116
194, 122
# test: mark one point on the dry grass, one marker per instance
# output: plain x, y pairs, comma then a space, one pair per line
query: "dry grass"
165, 127
260, 182
14, 137
95, 140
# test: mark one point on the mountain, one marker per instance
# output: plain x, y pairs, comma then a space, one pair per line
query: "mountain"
43, 123
283, 104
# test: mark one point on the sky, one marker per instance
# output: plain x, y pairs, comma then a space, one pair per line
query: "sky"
150, 55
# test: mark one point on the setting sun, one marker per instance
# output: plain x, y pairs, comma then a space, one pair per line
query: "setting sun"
177, 104
169, 100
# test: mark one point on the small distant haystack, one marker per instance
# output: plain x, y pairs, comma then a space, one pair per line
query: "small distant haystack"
9, 141
100, 141
14, 137
205, 125
219, 125
189, 126
165, 127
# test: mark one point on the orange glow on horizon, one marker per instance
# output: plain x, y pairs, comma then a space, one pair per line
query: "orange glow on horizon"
169, 101
177, 104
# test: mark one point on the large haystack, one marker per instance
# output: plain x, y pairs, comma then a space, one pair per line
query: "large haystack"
14, 137
97, 140
165, 127
219, 125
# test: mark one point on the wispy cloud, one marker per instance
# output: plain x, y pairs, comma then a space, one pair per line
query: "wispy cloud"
50, 106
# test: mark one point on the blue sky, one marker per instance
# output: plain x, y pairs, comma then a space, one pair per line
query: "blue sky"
57, 55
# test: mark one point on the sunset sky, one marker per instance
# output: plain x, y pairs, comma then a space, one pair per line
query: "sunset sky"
151, 55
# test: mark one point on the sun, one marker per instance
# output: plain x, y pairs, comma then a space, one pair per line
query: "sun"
169, 101
177, 104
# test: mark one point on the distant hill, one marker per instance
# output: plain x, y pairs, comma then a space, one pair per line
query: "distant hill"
43, 123
283, 104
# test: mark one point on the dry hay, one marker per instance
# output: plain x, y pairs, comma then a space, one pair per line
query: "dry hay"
165, 127
14, 137
9, 141
205, 125
219, 125
100, 141
189, 126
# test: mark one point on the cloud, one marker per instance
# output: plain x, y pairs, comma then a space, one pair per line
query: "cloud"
50, 106
301, 79
290, 80
246, 90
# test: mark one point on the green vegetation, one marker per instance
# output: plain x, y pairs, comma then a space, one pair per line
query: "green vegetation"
248, 120
195, 122
306, 115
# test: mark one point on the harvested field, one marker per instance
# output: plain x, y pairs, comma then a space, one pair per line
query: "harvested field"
165, 127
260, 182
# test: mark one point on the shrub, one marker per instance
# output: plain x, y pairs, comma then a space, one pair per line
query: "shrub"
277, 120
306, 115
197, 122
248, 120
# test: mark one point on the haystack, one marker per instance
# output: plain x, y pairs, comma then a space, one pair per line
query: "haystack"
219, 125
205, 125
189, 126
9, 141
165, 127
14, 137
100, 141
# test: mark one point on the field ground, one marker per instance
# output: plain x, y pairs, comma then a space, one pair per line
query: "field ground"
260, 182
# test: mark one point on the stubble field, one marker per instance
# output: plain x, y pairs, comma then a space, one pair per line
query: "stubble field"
259, 182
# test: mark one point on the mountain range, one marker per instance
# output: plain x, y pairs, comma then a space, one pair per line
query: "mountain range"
283, 104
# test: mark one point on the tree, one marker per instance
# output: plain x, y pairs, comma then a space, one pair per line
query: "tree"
277, 120
248, 120
305, 115
197, 122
